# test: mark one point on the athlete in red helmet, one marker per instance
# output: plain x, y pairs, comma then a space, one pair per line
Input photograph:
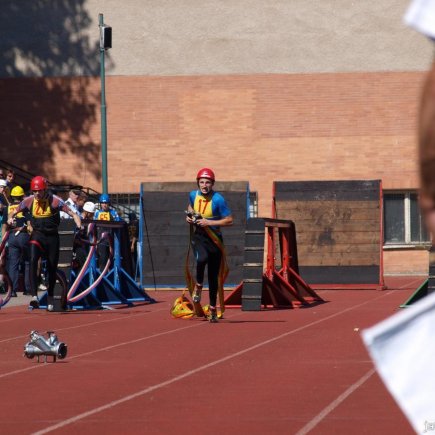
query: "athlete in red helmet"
207, 212
205, 173
38, 183
44, 209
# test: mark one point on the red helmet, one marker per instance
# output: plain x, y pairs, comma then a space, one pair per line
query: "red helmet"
38, 183
205, 173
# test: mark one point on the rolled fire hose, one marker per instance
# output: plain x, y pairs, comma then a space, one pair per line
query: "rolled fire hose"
5, 300
71, 296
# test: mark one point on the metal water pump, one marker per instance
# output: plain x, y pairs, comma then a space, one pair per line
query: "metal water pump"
41, 346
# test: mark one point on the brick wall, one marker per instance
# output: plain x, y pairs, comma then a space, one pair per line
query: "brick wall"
264, 128
258, 128
406, 262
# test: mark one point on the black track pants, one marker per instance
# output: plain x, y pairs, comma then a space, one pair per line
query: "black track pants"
207, 253
47, 247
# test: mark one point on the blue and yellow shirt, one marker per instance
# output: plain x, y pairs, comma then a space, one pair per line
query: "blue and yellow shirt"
212, 206
110, 215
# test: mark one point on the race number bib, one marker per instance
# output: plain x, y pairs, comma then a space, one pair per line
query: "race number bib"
104, 216
202, 205
41, 208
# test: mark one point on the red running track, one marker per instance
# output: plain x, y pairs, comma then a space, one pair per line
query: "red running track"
137, 370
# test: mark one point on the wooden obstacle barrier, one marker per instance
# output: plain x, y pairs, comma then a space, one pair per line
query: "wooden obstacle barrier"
278, 284
164, 233
340, 230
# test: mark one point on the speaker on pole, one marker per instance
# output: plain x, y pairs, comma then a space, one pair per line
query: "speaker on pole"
105, 37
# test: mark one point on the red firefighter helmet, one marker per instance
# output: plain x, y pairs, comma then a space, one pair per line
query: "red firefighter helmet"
205, 173
38, 183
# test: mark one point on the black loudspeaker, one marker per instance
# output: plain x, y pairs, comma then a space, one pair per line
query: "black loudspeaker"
105, 37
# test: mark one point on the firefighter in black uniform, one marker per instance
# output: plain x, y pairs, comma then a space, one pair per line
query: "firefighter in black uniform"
44, 209
18, 248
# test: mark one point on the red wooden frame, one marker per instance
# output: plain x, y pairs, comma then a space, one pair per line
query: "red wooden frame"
282, 288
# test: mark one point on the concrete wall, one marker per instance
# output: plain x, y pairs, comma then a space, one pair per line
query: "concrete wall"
252, 36
191, 37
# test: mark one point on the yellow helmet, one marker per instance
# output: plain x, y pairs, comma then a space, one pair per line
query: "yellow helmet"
182, 308
17, 191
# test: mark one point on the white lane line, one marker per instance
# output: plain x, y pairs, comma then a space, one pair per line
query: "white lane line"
15, 318
410, 285
85, 325
184, 375
27, 314
334, 404
102, 349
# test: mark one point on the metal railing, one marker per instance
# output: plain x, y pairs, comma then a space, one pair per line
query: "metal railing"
124, 203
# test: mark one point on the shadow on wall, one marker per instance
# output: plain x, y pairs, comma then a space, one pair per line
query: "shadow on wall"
49, 85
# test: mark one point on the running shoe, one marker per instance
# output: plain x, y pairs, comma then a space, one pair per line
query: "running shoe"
212, 317
197, 293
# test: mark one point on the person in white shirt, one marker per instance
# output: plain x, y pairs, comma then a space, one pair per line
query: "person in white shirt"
72, 203
401, 345
421, 17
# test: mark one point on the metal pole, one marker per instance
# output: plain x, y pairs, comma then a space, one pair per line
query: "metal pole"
103, 113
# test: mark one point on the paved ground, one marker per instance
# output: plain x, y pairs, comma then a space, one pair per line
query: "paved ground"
136, 369
19, 300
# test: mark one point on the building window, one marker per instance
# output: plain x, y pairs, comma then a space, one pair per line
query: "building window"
253, 204
403, 225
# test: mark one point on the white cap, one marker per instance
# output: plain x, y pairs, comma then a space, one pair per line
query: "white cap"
89, 207
3, 183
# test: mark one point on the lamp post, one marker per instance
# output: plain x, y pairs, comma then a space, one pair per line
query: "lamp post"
105, 43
